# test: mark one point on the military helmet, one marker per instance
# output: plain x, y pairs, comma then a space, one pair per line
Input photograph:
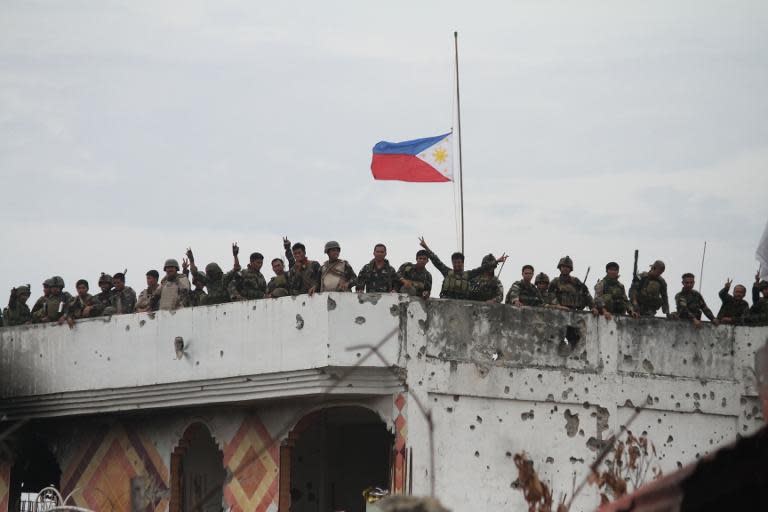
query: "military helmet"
170, 262
105, 278
659, 265
20, 290
48, 282
332, 245
762, 285
566, 261
541, 278
213, 268
488, 258
57, 281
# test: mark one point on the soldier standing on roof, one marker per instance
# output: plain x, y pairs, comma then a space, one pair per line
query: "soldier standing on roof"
278, 286
569, 292
103, 299
173, 292
123, 300
17, 312
455, 280
143, 304
336, 275
649, 292
415, 279
39, 303
378, 275
690, 303
524, 292
247, 284
486, 287
56, 304
542, 284
734, 307
758, 313
611, 296
304, 274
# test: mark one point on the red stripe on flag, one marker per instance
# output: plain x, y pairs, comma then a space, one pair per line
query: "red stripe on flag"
403, 168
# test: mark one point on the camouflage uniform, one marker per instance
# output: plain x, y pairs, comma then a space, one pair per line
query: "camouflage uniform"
121, 302
54, 308
690, 304
611, 296
456, 286
547, 298
279, 286
570, 292
648, 294
39, 303
304, 278
758, 314
77, 305
215, 282
486, 287
103, 300
172, 293
248, 284
422, 279
144, 302
197, 297
333, 275
737, 310
372, 279
527, 293
17, 312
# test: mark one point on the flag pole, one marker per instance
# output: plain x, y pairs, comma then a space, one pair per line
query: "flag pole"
458, 112
701, 273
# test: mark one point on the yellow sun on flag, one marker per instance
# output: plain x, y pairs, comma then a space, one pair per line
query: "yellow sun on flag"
440, 155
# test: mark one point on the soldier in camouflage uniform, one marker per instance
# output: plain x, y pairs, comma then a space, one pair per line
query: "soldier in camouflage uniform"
246, 284
456, 280
611, 296
17, 312
56, 304
378, 276
648, 292
143, 303
103, 299
278, 285
758, 314
486, 287
415, 279
542, 285
173, 292
734, 308
39, 303
524, 292
197, 295
569, 292
336, 275
212, 279
80, 306
690, 303
123, 299
304, 274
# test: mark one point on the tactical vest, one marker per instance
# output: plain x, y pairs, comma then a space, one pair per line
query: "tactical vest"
455, 286
613, 296
649, 293
569, 294
333, 276
279, 286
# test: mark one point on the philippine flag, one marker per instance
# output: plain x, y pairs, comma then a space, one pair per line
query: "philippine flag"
422, 160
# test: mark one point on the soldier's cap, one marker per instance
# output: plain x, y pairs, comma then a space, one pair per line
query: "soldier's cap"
105, 278
332, 245
762, 285
154, 273
659, 265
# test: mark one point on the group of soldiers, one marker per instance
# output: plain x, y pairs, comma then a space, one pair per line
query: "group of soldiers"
647, 294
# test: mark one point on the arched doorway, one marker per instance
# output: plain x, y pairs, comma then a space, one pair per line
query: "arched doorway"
197, 472
35, 468
330, 457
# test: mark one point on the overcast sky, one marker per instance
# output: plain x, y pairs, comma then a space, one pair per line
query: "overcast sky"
130, 130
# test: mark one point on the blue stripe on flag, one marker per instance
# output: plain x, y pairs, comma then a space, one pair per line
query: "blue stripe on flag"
409, 147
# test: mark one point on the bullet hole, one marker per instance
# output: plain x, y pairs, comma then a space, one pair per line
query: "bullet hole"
655, 399
743, 401
685, 361
540, 377
497, 355
550, 397
696, 396
449, 409
687, 395
331, 304
477, 454
127, 327
711, 395
723, 403
508, 454
479, 419
647, 366
649, 400
299, 322
586, 390
197, 363
670, 439
423, 325
628, 403
506, 389
571, 423
595, 444
221, 353
454, 366
574, 460
566, 393
142, 322
455, 398
394, 310
586, 405
679, 464
471, 427
570, 378
527, 415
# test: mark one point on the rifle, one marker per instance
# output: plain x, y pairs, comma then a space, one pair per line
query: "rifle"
634, 270
586, 276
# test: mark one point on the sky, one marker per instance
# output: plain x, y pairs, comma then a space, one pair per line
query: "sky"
130, 130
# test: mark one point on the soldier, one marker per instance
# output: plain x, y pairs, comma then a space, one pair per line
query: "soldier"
648, 292
455, 280
247, 284
123, 299
173, 292
758, 314
103, 299
143, 304
486, 287
55, 306
278, 286
39, 303
569, 292
415, 279
81, 306
304, 274
197, 295
378, 275
524, 292
336, 275
214, 281
542, 285
611, 296
734, 308
690, 303
17, 312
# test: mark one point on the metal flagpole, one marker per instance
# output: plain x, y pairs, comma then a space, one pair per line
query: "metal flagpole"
701, 273
458, 112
